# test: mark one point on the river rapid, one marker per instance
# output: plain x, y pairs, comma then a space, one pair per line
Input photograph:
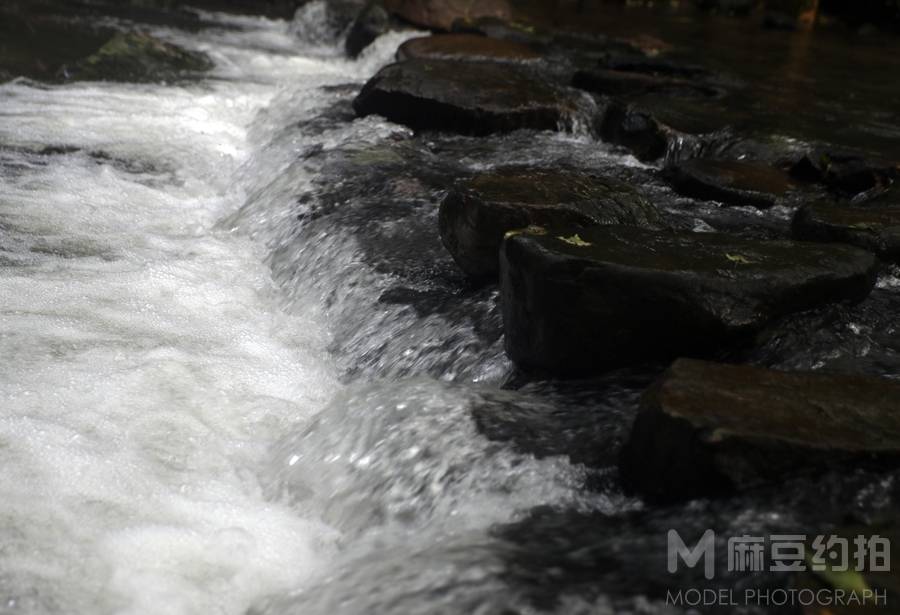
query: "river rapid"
240, 374
177, 434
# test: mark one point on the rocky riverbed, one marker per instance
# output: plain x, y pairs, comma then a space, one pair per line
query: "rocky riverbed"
577, 276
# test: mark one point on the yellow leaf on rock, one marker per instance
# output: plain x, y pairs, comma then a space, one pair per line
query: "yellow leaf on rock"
576, 241
739, 259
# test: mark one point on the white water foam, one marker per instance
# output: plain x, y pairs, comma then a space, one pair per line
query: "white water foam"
147, 370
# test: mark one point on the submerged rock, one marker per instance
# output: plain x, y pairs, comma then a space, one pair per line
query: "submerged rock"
706, 428
441, 14
847, 173
139, 57
585, 300
479, 211
730, 182
467, 97
465, 47
872, 227
674, 128
623, 83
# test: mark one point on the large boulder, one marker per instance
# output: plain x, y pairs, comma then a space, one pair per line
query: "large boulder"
730, 182
139, 57
707, 428
465, 47
584, 300
474, 98
873, 227
441, 14
478, 211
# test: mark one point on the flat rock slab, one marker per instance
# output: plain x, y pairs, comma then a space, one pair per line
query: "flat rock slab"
478, 211
873, 227
465, 47
473, 98
707, 428
584, 300
730, 182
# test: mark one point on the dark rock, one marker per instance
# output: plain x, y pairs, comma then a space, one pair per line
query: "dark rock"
590, 299
731, 7
479, 211
441, 14
505, 30
632, 62
673, 127
872, 227
625, 83
637, 129
372, 22
706, 428
847, 173
38, 46
465, 47
729, 181
467, 97
326, 21
139, 57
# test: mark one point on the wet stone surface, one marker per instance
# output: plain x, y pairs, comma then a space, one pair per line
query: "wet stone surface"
465, 47
603, 296
871, 226
478, 211
706, 428
468, 97
730, 182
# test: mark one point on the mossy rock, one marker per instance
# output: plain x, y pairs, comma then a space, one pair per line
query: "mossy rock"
478, 211
140, 57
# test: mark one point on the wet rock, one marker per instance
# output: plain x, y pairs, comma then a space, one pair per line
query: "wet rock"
647, 137
506, 30
730, 182
847, 173
38, 46
474, 98
479, 211
441, 14
634, 61
465, 47
707, 428
872, 227
584, 300
139, 57
371, 22
625, 83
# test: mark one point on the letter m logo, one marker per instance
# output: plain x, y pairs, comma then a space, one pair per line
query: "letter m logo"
705, 548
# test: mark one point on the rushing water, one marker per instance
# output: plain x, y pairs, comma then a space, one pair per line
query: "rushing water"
240, 374
176, 436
